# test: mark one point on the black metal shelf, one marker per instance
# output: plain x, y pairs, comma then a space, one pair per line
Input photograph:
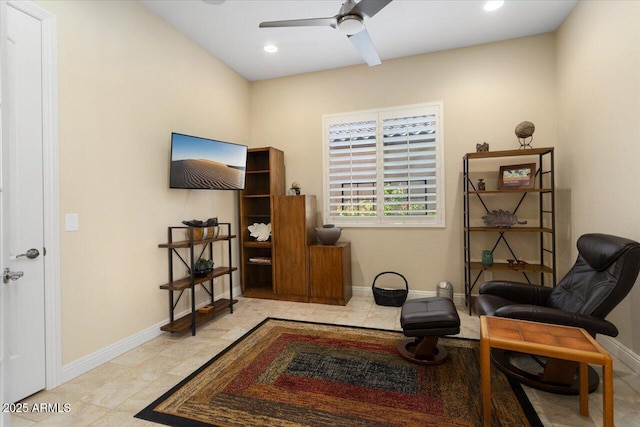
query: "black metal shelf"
195, 317
545, 227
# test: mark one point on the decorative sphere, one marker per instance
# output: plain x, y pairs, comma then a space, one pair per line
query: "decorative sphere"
525, 130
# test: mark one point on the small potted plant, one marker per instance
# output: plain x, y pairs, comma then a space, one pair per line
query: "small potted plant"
202, 267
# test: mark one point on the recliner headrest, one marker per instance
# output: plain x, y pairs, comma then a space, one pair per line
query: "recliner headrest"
600, 250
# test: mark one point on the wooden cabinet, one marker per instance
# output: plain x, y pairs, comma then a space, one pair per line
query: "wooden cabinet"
537, 237
293, 231
330, 273
191, 280
277, 268
280, 268
264, 178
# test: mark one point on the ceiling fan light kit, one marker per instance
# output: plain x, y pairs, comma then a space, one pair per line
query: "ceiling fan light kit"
350, 24
349, 21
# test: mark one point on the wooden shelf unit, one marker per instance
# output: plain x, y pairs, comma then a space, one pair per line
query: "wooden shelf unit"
184, 323
544, 229
185, 283
524, 190
516, 229
195, 318
264, 179
508, 153
293, 222
503, 266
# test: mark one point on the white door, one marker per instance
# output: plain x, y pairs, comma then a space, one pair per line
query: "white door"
21, 227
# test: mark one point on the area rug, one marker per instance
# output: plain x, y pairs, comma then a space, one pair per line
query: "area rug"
291, 373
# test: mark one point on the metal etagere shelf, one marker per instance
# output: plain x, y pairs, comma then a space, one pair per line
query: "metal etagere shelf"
196, 316
545, 266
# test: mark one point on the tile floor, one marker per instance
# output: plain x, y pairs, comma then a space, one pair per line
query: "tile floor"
112, 393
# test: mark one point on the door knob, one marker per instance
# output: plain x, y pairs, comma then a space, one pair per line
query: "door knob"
31, 254
11, 275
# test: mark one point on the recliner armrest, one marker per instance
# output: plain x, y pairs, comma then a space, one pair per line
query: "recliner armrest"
554, 316
519, 293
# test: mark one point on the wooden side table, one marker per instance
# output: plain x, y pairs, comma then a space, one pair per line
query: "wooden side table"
562, 342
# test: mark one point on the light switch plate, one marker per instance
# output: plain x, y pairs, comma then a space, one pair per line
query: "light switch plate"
71, 222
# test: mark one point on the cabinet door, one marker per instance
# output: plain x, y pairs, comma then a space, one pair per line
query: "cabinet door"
330, 273
292, 220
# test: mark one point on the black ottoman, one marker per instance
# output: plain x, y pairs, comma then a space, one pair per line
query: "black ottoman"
427, 319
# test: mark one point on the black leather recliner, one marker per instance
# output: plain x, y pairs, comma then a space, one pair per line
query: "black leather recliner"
604, 273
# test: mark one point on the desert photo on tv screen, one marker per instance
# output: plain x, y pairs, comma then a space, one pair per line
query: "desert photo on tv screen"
201, 163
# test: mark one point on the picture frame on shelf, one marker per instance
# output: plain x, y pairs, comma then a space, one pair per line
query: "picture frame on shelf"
517, 177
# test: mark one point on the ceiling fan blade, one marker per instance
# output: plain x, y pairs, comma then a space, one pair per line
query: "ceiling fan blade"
364, 45
368, 8
312, 22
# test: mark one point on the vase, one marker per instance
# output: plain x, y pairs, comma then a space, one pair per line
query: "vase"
328, 234
487, 258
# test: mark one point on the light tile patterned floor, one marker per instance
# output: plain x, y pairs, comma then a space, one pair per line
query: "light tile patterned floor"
112, 393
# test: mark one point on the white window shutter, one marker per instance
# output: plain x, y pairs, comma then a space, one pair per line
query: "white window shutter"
384, 168
410, 160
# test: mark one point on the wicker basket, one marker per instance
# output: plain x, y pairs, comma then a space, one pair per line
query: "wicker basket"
390, 297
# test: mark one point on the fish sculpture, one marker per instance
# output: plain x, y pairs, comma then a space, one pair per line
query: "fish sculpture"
501, 219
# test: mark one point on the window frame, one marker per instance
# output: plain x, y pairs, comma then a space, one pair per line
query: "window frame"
379, 115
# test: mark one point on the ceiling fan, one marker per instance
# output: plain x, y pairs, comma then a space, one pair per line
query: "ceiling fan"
349, 20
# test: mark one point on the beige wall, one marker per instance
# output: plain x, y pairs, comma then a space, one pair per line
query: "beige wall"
126, 81
486, 91
598, 51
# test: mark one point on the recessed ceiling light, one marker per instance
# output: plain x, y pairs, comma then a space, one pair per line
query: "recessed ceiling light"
271, 48
492, 5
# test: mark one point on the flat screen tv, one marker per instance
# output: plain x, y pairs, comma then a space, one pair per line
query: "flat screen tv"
206, 164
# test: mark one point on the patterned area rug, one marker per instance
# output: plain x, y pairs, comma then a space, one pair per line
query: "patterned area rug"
290, 373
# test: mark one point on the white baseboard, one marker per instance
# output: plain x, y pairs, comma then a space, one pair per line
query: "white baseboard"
97, 358
458, 299
623, 353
